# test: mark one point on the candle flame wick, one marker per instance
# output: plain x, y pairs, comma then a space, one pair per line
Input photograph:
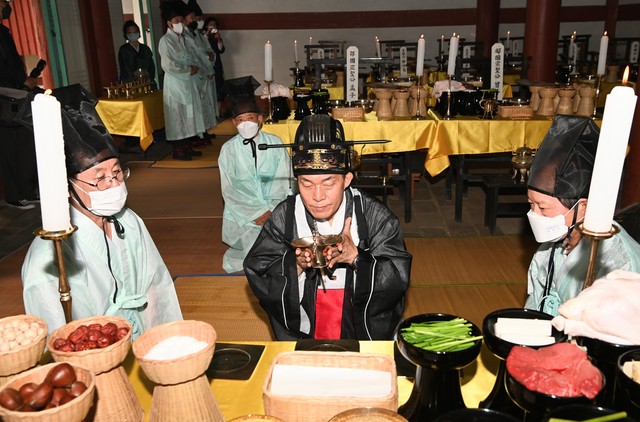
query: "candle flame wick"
605, 33
625, 75
48, 92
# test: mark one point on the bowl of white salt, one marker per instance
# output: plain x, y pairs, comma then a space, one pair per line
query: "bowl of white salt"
175, 352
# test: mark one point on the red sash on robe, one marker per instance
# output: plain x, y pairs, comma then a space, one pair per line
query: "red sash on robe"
329, 314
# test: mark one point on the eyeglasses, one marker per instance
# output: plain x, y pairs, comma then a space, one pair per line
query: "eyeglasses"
105, 182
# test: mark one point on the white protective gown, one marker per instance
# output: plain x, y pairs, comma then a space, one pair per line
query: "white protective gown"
180, 104
619, 252
145, 292
208, 95
249, 191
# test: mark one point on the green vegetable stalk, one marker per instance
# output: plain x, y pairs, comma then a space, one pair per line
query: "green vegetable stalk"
440, 336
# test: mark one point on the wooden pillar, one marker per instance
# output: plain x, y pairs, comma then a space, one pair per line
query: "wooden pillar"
101, 57
487, 22
630, 185
541, 31
610, 21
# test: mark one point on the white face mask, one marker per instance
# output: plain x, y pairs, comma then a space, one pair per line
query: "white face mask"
248, 130
548, 229
200, 24
177, 28
107, 202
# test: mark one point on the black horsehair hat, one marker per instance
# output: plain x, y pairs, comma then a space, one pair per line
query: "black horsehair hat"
563, 164
320, 147
242, 93
87, 142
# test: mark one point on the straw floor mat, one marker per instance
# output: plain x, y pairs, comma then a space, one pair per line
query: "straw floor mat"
470, 260
189, 246
172, 193
224, 128
227, 303
209, 158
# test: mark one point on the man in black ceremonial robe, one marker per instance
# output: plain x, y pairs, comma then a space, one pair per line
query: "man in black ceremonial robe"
360, 294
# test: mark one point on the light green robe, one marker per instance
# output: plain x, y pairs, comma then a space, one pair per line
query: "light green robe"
619, 252
180, 110
146, 295
249, 192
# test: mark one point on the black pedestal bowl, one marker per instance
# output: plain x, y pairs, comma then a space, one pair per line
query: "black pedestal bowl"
628, 390
537, 404
581, 412
605, 356
476, 415
436, 389
498, 399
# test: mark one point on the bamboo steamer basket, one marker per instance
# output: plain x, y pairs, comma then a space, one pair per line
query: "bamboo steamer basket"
116, 398
182, 391
74, 411
311, 409
13, 362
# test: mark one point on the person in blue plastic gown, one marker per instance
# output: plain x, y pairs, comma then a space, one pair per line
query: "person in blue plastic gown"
253, 182
112, 264
558, 189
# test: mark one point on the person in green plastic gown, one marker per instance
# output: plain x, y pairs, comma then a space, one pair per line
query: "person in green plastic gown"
558, 188
253, 181
112, 264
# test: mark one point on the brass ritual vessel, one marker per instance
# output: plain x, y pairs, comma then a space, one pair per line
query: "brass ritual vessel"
521, 163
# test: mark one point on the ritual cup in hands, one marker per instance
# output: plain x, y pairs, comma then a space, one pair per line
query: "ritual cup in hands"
316, 245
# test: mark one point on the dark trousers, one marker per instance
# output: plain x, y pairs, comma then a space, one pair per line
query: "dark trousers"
18, 163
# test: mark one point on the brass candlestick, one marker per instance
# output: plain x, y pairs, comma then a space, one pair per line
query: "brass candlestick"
418, 116
63, 283
595, 101
270, 120
595, 237
448, 116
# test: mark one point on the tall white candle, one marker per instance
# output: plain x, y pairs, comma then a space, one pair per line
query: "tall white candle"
571, 44
378, 51
607, 169
441, 50
453, 52
52, 171
507, 46
268, 62
420, 57
602, 55
295, 51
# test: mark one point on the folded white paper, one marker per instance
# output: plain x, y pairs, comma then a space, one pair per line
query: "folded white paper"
317, 381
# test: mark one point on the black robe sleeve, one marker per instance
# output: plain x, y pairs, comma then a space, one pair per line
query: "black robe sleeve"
374, 292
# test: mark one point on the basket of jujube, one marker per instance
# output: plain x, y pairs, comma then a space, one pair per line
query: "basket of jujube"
98, 343
57, 392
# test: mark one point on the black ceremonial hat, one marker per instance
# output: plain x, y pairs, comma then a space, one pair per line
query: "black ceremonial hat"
564, 161
319, 147
242, 93
193, 4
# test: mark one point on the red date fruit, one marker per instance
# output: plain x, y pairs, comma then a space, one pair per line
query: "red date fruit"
122, 333
109, 328
104, 341
96, 327
93, 335
10, 399
59, 342
69, 347
79, 335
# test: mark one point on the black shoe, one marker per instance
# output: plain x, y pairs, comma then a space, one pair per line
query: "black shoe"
199, 143
22, 204
181, 154
192, 152
209, 136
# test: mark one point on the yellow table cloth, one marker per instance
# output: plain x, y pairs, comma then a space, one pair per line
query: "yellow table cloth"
405, 135
237, 398
138, 117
